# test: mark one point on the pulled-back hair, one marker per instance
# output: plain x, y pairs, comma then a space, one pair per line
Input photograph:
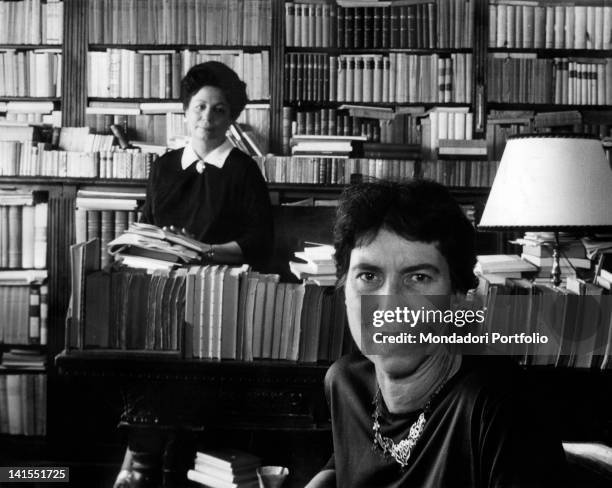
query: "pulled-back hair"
417, 211
213, 73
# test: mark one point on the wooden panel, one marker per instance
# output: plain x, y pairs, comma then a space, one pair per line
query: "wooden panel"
59, 238
277, 55
74, 63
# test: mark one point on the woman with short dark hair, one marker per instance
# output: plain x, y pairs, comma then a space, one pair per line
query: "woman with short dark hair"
415, 415
210, 189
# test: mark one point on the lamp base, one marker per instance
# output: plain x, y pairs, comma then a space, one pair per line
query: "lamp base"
555, 272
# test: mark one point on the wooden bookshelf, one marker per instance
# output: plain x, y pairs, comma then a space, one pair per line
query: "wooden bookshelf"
338, 50
85, 378
29, 47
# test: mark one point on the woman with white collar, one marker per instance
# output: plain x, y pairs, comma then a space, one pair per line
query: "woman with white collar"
210, 189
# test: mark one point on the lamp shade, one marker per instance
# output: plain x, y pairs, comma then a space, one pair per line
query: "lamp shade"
550, 182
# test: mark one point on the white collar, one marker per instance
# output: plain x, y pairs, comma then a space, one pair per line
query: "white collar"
216, 157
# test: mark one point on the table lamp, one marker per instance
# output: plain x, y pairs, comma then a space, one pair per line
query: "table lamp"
552, 183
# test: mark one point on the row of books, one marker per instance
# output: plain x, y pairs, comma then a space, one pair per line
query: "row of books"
166, 127
210, 22
229, 313
93, 223
445, 124
332, 171
35, 73
460, 173
503, 124
393, 127
23, 235
559, 80
29, 159
23, 311
576, 320
450, 23
23, 404
256, 317
31, 22
130, 309
515, 25
329, 121
153, 128
39, 106
156, 74
53, 118
409, 26
398, 77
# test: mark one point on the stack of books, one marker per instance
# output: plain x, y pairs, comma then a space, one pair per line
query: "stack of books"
28, 359
496, 268
148, 246
462, 147
324, 145
318, 267
538, 250
225, 468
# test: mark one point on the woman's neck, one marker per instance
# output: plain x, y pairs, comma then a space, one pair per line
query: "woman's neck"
203, 148
411, 393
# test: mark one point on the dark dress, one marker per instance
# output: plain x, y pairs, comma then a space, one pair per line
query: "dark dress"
218, 206
482, 431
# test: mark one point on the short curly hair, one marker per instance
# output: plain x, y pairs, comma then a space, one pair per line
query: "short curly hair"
213, 73
417, 211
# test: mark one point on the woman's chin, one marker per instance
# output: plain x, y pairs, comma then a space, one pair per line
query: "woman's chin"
397, 366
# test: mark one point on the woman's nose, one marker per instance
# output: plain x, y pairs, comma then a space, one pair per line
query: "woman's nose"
392, 286
207, 115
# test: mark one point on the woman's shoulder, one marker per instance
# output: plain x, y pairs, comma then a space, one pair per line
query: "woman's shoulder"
170, 161
171, 156
240, 161
491, 378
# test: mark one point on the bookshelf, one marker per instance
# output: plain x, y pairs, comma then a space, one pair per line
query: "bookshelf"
90, 33
29, 306
563, 49
31, 55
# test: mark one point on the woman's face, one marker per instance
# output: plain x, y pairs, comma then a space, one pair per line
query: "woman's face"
208, 115
392, 265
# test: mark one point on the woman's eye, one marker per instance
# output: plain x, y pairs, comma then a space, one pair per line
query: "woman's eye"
367, 277
419, 278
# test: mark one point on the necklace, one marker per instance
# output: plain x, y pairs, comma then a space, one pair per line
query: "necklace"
401, 451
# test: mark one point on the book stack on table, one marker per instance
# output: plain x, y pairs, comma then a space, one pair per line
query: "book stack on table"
225, 468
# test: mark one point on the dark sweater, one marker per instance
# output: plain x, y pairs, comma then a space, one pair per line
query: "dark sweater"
482, 432
217, 206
